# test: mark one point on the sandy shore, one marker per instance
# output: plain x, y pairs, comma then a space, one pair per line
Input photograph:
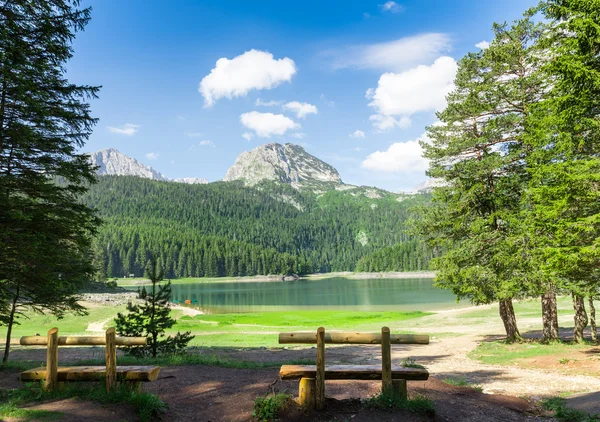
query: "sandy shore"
278, 278
363, 276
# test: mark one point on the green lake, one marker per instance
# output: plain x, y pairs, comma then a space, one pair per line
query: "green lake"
376, 294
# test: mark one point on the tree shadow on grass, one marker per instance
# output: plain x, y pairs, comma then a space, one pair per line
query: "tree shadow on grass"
565, 334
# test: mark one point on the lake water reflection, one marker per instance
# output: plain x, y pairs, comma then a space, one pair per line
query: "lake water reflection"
378, 294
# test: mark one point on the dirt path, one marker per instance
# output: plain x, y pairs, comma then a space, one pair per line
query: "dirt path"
226, 395
187, 311
98, 327
447, 358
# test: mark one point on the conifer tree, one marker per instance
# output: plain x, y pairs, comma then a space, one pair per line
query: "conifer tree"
562, 212
151, 318
44, 119
477, 150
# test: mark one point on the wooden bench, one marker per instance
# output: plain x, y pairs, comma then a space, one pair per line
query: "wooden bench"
311, 389
52, 374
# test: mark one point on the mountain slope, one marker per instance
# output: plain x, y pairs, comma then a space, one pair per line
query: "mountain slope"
282, 163
228, 229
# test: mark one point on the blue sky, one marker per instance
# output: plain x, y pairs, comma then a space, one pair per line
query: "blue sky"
354, 82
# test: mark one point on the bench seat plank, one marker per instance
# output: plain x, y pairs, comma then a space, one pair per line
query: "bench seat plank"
94, 373
352, 372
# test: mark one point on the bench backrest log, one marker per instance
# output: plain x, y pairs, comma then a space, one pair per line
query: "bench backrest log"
53, 340
351, 338
320, 338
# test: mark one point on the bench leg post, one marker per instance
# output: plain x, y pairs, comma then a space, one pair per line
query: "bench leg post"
111, 359
307, 393
386, 362
400, 390
320, 374
51, 360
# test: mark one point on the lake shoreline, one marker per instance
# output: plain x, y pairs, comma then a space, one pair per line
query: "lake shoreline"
124, 282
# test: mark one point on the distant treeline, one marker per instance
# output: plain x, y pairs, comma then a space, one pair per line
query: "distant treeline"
226, 229
408, 256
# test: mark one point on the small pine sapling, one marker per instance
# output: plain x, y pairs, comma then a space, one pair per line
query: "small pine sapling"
151, 318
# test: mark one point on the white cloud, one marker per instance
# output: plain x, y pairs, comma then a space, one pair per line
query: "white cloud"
203, 143
271, 103
298, 135
482, 45
247, 136
400, 157
366, 15
421, 89
180, 118
357, 134
390, 6
382, 122
152, 155
301, 109
397, 55
193, 134
127, 129
267, 124
357, 149
254, 69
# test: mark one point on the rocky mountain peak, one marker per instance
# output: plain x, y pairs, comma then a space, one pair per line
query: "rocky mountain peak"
287, 163
112, 162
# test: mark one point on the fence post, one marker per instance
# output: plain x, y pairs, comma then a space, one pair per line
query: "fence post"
386, 362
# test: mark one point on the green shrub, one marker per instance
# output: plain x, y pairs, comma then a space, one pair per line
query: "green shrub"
267, 408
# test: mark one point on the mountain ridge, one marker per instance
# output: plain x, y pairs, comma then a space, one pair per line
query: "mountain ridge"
111, 162
287, 163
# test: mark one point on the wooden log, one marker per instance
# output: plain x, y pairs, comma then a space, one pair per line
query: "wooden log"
111, 359
320, 375
50, 383
83, 341
351, 338
399, 389
350, 372
386, 362
94, 373
307, 393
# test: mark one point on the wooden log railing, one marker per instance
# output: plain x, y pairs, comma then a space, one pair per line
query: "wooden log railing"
312, 390
351, 338
82, 341
53, 340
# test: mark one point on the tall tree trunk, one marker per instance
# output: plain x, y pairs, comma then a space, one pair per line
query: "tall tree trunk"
593, 319
580, 318
11, 321
507, 313
550, 316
